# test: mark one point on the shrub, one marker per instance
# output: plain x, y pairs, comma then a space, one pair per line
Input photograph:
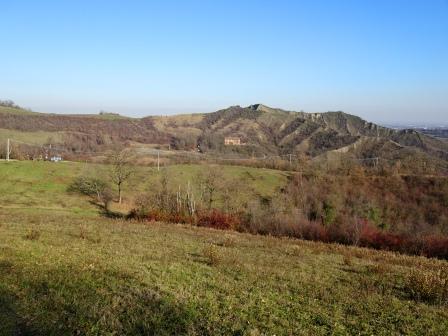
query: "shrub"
272, 217
106, 196
218, 220
212, 255
374, 215
373, 238
93, 187
436, 247
329, 213
314, 231
428, 285
89, 186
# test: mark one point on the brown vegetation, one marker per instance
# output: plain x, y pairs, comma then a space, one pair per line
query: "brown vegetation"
406, 214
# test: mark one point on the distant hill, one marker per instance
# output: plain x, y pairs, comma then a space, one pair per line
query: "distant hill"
261, 129
271, 131
441, 132
82, 132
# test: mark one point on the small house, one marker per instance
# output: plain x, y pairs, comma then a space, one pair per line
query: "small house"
232, 141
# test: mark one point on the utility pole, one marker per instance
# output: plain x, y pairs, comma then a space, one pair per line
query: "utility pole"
290, 159
158, 160
7, 150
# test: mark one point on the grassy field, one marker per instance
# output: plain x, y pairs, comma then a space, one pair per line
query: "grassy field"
38, 138
65, 270
72, 275
13, 110
37, 185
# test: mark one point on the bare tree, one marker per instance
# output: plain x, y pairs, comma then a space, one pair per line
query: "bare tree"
211, 182
120, 170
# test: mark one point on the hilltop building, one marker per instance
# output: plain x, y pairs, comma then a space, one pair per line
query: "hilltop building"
232, 141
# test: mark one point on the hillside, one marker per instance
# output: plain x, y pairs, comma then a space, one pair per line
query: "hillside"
311, 205
81, 132
65, 275
261, 129
65, 268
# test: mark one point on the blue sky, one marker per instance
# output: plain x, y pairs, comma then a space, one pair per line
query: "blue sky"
386, 61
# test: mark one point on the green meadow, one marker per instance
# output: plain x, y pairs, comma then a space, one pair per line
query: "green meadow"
65, 270
38, 185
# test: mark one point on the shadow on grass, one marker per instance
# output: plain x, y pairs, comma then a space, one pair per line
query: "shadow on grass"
106, 212
112, 214
10, 321
69, 301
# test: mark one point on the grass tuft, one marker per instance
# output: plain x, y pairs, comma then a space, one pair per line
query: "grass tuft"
347, 259
83, 232
32, 234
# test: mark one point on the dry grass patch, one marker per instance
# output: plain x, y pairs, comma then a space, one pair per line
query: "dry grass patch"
228, 241
295, 250
378, 268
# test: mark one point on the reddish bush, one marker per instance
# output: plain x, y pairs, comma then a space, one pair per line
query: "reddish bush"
374, 238
363, 234
436, 247
315, 231
430, 246
340, 235
218, 220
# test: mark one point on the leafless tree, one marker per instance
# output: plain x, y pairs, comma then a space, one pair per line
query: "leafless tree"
211, 182
121, 170
186, 200
357, 226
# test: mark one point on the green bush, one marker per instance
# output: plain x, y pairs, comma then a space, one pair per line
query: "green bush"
329, 213
89, 186
93, 187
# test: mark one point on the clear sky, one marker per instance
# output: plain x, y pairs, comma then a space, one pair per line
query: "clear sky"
384, 60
